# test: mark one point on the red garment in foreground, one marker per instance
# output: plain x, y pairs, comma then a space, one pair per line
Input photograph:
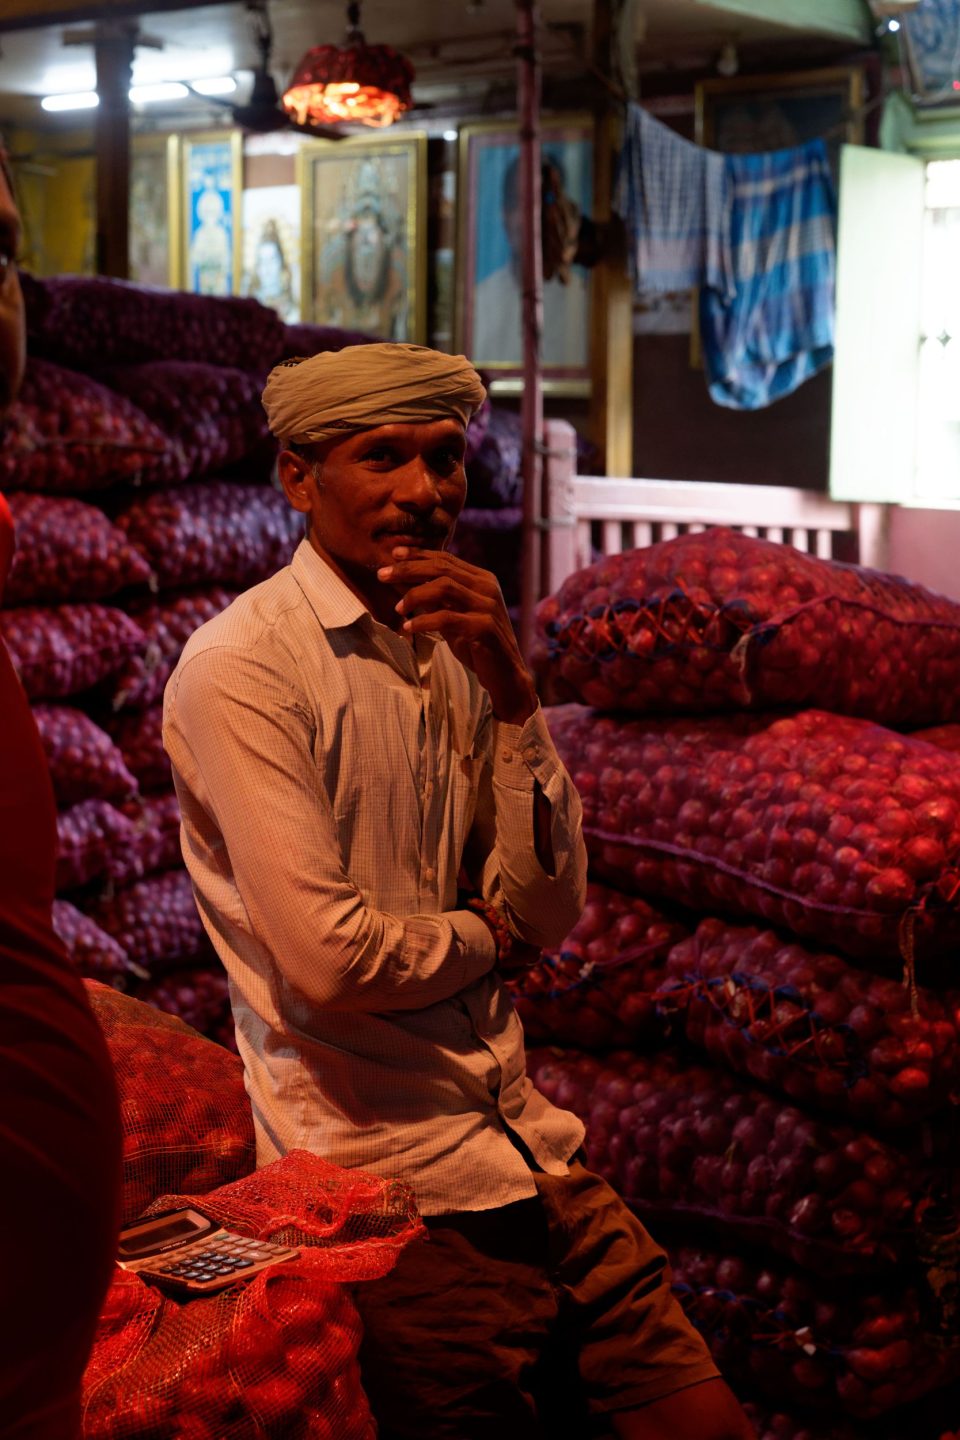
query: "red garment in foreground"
59, 1118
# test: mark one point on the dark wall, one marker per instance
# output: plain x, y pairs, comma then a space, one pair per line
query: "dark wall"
680, 434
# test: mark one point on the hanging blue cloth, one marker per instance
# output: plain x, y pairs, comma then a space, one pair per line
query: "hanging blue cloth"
778, 328
672, 198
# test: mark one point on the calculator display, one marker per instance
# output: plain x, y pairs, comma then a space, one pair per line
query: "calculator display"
154, 1237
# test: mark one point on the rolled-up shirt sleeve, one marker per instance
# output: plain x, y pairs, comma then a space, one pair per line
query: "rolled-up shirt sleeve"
241, 742
501, 856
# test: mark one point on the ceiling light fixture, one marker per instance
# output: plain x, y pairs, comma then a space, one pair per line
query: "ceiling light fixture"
163, 90
73, 100
355, 81
216, 85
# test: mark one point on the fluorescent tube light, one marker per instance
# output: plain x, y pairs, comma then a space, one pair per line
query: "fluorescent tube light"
166, 90
77, 100
218, 85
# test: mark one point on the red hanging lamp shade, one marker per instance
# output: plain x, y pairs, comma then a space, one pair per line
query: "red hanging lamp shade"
367, 84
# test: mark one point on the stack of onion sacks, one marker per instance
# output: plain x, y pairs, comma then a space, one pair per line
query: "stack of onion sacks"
818, 852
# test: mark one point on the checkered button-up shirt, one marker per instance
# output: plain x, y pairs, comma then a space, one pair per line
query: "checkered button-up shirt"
332, 778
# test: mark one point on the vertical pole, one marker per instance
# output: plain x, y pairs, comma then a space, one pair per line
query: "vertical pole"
531, 410
113, 49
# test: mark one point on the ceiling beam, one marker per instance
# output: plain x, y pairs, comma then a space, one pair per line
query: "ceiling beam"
839, 19
33, 14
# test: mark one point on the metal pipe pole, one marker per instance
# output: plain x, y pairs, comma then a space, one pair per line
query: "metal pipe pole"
531, 271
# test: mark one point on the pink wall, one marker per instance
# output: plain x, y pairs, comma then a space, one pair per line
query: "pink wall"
924, 545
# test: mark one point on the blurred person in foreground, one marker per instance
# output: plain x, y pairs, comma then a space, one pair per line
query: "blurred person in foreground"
59, 1116
350, 741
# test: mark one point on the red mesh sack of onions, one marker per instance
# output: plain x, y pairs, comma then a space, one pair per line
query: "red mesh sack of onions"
155, 844
62, 650
277, 1356
814, 1026
66, 434
95, 953
836, 829
211, 412
167, 624
67, 551
302, 341
596, 991
155, 920
198, 997
861, 1353
492, 539
215, 533
720, 622
84, 320
138, 735
776, 1424
84, 762
947, 737
93, 843
683, 1140
157, 841
183, 1106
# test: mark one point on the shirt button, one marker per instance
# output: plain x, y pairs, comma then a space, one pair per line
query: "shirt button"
506, 755
530, 753
430, 875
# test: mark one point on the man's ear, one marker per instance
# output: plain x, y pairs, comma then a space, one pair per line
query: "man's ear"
296, 476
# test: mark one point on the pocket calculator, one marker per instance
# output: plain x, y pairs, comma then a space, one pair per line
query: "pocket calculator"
185, 1250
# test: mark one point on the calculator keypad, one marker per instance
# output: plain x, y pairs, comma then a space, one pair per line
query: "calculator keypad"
217, 1262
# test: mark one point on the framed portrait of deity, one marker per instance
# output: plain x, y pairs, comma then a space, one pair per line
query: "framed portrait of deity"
271, 248
363, 235
488, 287
208, 259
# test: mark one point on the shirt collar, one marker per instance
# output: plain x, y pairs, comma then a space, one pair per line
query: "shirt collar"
333, 602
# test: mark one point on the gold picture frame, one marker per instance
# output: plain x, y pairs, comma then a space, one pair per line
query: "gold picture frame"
207, 253
776, 112
364, 234
487, 288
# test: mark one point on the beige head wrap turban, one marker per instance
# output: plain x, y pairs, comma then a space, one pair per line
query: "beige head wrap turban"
363, 386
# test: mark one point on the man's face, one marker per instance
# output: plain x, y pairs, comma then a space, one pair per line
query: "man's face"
12, 327
393, 485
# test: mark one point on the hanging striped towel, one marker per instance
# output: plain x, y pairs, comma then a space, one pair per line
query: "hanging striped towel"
672, 197
778, 328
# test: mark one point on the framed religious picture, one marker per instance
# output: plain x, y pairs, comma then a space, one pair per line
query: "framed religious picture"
154, 176
752, 113
209, 256
364, 244
271, 248
488, 294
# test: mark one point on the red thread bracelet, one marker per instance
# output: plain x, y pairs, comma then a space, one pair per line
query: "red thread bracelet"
497, 925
